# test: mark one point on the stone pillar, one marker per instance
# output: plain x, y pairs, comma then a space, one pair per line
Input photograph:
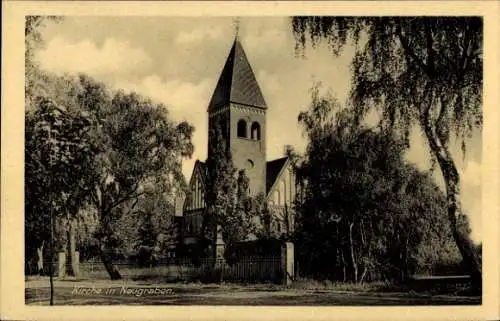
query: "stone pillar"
39, 260
287, 259
219, 248
61, 264
75, 263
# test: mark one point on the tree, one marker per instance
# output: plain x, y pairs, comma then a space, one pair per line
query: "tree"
147, 237
264, 214
58, 159
270, 216
107, 149
165, 231
230, 210
147, 228
140, 154
48, 92
35, 79
238, 224
424, 71
365, 211
219, 190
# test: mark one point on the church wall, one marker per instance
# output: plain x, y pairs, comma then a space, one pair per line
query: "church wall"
283, 194
246, 151
196, 197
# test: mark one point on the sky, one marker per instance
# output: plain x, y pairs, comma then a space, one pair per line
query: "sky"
177, 61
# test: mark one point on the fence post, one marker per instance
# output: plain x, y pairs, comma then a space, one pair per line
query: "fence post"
287, 259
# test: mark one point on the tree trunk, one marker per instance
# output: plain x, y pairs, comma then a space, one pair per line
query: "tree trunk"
353, 257
113, 272
344, 272
452, 182
406, 271
363, 274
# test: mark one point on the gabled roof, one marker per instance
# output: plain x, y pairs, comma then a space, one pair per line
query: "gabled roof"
237, 82
273, 169
199, 169
202, 169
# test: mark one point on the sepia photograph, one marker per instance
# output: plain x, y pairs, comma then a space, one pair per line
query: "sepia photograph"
253, 161
246, 160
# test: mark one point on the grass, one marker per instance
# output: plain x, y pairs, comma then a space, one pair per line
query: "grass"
311, 284
302, 292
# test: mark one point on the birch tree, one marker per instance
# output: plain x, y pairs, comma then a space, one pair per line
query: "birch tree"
418, 71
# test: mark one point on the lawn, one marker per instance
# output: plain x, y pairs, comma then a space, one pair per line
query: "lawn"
104, 292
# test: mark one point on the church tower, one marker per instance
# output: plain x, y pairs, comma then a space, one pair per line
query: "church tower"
239, 108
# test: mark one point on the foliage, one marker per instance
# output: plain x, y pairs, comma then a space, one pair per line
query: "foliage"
149, 227
106, 150
140, 153
34, 80
423, 71
220, 189
58, 151
264, 230
269, 216
58, 160
365, 210
230, 209
239, 224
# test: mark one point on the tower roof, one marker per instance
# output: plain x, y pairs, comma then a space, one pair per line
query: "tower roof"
237, 83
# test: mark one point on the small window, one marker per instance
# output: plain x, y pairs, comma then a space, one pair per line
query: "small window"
255, 130
249, 164
242, 128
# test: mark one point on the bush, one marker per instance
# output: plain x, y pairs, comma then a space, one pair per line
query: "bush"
145, 256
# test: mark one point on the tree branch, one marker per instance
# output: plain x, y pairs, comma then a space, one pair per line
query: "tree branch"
430, 51
127, 197
408, 50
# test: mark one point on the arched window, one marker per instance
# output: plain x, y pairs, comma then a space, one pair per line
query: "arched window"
242, 128
255, 131
282, 188
277, 197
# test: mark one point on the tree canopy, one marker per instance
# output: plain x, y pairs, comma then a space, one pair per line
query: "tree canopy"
90, 147
365, 210
230, 210
418, 71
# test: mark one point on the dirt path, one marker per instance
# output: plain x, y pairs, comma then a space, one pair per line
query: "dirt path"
146, 293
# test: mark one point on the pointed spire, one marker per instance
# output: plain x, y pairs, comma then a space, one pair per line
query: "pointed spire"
237, 82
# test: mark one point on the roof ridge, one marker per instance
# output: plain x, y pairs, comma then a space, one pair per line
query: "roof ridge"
276, 159
233, 52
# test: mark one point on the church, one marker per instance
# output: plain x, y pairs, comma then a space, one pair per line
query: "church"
239, 107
